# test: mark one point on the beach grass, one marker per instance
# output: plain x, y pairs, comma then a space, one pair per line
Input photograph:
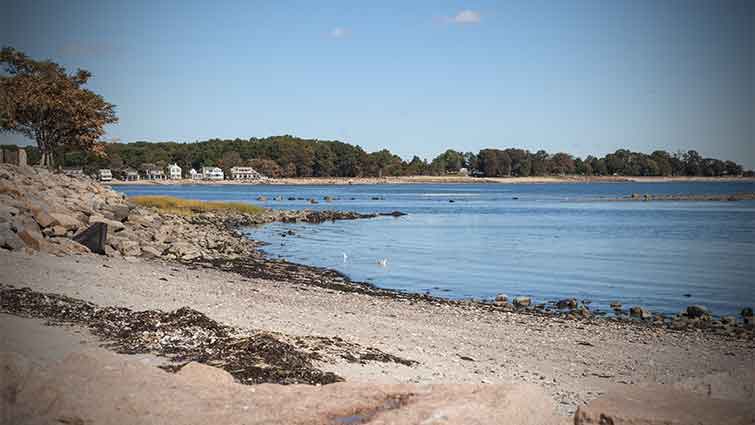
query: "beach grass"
179, 206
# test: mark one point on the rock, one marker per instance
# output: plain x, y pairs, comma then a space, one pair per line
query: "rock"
640, 312
117, 212
31, 239
501, 298
43, 218
328, 198
582, 312
746, 312
114, 226
728, 320
208, 375
312, 201
658, 405
9, 239
129, 248
262, 198
184, 251
616, 305
569, 303
151, 252
522, 301
66, 221
393, 214
68, 246
93, 238
104, 388
698, 312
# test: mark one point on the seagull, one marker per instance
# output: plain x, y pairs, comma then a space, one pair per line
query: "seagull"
383, 262
345, 257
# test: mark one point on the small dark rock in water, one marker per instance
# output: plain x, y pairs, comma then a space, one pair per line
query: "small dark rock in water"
616, 305
687, 295
328, 198
290, 232
312, 201
393, 214
697, 311
376, 198
262, 198
567, 303
746, 312
291, 198
639, 312
451, 201
522, 301
515, 198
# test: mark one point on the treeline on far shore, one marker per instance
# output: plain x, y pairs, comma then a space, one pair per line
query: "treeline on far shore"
288, 156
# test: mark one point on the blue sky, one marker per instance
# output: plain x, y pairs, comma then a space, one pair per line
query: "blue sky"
415, 77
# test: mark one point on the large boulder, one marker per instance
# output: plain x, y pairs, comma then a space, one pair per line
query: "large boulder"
68, 222
31, 238
43, 218
93, 238
103, 388
9, 239
661, 405
522, 301
640, 312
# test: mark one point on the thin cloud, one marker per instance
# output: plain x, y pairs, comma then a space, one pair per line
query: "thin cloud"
339, 32
466, 17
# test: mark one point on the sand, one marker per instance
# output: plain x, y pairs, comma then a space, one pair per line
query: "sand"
573, 361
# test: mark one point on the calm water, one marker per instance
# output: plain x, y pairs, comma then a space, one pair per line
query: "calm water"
550, 243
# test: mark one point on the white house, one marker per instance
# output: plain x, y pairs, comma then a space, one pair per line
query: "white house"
104, 175
131, 175
245, 173
155, 174
174, 172
194, 175
212, 173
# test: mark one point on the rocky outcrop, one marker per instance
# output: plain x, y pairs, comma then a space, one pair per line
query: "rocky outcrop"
662, 405
45, 211
103, 388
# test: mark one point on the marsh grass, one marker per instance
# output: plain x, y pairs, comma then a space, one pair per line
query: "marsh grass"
178, 206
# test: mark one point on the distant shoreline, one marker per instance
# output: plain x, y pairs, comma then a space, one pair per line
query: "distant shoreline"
439, 180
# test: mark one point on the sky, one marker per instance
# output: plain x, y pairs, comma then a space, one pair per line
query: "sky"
419, 77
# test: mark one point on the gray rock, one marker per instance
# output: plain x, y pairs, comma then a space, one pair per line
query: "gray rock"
501, 298
640, 312
698, 312
570, 303
746, 312
151, 252
68, 222
129, 248
522, 301
9, 239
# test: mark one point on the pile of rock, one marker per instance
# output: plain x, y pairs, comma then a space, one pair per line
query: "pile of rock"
45, 211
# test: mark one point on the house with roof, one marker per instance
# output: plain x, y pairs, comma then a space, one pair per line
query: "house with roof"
212, 173
104, 175
131, 175
174, 172
245, 173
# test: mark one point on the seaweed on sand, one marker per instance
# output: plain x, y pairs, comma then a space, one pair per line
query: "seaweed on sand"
187, 335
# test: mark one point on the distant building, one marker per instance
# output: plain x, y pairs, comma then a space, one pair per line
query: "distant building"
174, 172
245, 173
131, 175
194, 175
155, 174
212, 173
104, 175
